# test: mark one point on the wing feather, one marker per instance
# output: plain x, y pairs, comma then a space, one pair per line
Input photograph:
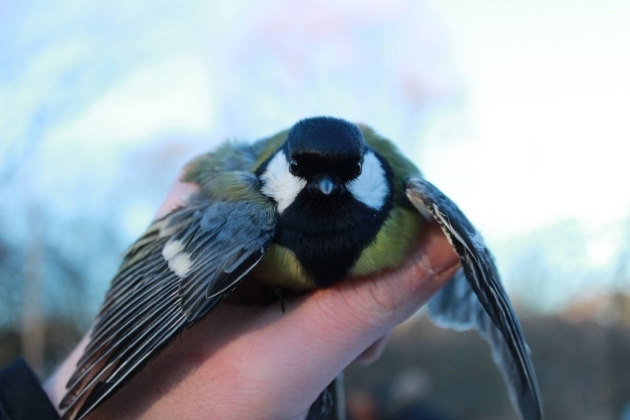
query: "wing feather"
170, 278
476, 298
330, 404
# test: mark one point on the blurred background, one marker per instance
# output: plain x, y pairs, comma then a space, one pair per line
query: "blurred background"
518, 110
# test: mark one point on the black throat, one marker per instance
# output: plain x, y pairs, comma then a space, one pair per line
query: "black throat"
328, 234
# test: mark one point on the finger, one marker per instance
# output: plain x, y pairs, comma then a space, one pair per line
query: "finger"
384, 301
373, 353
305, 348
176, 197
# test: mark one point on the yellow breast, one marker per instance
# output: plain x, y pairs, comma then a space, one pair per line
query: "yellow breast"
280, 267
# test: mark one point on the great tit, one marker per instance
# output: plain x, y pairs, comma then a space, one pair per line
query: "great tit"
300, 210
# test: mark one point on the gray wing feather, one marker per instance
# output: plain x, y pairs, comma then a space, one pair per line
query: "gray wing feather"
171, 278
228, 243
475, 298
457, 307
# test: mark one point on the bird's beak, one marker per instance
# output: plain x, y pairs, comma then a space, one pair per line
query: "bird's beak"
325, 185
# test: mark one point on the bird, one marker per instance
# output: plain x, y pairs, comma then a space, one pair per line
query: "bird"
299, 210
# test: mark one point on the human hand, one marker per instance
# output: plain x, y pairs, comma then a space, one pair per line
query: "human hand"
256, 362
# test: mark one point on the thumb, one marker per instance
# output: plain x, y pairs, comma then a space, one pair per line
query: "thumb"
332, 327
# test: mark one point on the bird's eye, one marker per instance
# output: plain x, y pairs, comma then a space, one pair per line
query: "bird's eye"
357, 169
293, 167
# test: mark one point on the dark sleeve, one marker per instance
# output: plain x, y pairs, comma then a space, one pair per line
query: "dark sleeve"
21, 395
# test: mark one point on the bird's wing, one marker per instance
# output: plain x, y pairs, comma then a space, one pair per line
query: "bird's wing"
330, 404
489, 309
170, 278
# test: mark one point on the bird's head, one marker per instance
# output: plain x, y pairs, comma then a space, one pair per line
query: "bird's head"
325, 159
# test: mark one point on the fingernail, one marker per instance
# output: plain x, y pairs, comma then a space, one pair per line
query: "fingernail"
437, 255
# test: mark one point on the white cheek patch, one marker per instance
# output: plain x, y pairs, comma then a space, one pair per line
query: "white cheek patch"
179, 262
279, 183
371, 186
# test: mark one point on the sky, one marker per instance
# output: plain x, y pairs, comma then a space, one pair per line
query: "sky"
515, 109
546, 98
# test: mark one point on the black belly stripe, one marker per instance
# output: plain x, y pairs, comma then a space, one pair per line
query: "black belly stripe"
328, 234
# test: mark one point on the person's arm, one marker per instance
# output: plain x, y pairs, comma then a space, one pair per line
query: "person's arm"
21, 395
256, 362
